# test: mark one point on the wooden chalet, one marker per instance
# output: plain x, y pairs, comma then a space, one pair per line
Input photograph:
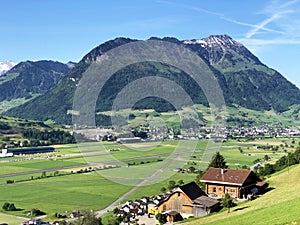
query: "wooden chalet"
238, 183
187, 200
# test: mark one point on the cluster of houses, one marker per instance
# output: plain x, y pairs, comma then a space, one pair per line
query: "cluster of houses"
159, 134
37, 222
267, 130
190, 200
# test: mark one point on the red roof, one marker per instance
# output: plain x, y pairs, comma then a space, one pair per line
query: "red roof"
261, 184
228, 176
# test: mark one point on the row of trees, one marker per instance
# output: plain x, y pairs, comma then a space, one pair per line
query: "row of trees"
38, 137
283, 162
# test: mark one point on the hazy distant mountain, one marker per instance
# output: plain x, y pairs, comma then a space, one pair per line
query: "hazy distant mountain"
6, 66
245, 81
30, 79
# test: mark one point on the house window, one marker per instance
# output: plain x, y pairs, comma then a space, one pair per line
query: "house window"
214, 189
178, 194
232, 190
220, 189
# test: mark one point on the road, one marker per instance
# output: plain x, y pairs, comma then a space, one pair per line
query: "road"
118, 201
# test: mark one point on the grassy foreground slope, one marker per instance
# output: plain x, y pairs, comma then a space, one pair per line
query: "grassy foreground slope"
278, 206
10, 219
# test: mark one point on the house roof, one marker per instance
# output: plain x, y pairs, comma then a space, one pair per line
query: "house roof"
172, 213
261, 184
228, 176
206, 201
192, 190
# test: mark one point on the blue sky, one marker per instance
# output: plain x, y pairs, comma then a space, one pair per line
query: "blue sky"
65, 30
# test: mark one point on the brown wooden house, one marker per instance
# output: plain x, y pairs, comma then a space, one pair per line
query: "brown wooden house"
238, 183
188, 200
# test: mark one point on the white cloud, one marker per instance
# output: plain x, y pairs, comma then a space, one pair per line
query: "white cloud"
262, 25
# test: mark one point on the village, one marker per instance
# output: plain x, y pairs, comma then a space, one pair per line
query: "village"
185, 201
152, 134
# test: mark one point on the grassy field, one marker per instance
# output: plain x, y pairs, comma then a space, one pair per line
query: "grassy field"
236, 114
278, 206
94, 191
10, 219
65, 193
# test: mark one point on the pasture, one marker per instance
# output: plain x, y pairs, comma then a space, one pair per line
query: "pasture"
98, 189
278, 206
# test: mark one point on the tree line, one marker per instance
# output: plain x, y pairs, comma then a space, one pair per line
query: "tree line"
285, 161
48, 137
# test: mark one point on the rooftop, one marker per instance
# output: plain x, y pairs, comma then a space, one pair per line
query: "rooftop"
228, 176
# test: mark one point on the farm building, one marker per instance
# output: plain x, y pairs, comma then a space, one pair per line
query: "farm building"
129, 140
187, 200
30, 150
237, 183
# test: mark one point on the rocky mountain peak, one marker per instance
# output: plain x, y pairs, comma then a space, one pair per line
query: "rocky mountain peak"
222, 49
221, 40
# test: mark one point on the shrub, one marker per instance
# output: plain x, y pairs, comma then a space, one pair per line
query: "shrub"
9, 206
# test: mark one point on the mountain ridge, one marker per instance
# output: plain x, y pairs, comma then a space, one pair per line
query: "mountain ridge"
28, 79
243, 78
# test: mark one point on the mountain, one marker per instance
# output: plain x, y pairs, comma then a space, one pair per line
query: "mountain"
250, 83
30, 79
6, 66
245, 81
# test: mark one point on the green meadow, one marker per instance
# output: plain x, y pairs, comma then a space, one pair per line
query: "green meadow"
98, 189
278, 206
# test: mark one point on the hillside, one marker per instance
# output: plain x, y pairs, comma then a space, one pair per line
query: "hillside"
244, 80
28, 80
278, 206
20, 132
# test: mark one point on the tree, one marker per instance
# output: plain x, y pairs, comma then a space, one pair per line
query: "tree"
268, 169
9, 206
180, 182
217, 161
160, 218
88, 218
163, 189
266, 157
172, 185
227, 202
37, 212
198, 182
12, 207
191, 169
5, 206
44, 175
241, 150
113, 220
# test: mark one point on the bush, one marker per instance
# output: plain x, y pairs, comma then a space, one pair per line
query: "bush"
12, 207
10, 181
5, 206
161, 218
9, 206
37, 212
